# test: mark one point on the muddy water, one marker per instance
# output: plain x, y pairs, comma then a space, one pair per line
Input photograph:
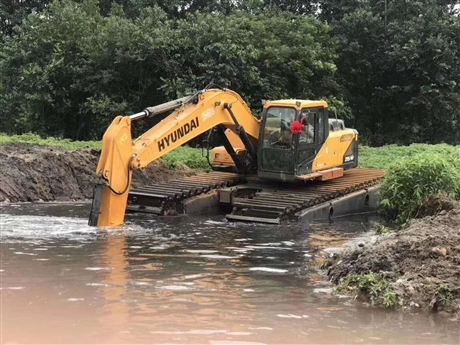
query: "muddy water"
182, 280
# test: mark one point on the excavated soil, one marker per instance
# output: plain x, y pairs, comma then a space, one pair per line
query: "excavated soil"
422, 262
40, 173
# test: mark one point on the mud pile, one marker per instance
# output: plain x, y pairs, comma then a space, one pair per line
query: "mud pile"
34, 173
421, 263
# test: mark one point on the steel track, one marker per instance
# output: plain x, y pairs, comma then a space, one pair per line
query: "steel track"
275, 205
268, 203
164, 198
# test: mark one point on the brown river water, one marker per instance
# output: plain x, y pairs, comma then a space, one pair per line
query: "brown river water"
184, 280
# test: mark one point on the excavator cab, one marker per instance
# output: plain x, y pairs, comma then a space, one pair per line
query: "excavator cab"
287, 152
297, 142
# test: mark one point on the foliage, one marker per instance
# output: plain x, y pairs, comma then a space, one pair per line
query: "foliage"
412, 180
187, 156
72, 66
34, 139
400, 68
76, 64
182, 156
372, 287
270, 56
70, 70
383, 157
444, 295
381, 229
12, 13
177, 9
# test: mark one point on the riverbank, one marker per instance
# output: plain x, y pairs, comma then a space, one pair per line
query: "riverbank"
369, 157
49, 169
416, 268
51, 173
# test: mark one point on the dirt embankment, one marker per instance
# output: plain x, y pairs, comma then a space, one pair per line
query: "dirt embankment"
420, 263
33, 173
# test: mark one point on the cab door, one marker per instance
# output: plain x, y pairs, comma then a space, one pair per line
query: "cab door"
276, 148
309, 142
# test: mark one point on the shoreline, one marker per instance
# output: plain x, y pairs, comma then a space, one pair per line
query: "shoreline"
30, 173
414, 269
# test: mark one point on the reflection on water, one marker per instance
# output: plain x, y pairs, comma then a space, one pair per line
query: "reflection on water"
183, 280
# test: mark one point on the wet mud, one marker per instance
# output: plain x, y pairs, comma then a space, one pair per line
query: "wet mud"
40, 173
421, 263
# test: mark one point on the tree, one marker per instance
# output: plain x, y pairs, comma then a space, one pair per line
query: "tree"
402, 80
70, 70
263, 56
178, 9
12, 12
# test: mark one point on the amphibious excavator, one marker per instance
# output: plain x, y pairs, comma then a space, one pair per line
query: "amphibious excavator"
294, 141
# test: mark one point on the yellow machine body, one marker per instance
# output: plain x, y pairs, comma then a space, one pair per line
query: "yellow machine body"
245, 147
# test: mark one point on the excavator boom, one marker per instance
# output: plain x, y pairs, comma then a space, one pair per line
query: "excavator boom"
191, 117
207, 110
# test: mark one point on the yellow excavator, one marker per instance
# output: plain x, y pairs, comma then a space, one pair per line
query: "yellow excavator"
293, 141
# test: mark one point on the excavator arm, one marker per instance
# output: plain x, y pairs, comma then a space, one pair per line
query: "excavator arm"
191, 117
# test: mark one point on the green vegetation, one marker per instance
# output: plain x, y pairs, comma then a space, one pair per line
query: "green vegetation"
369, 157
182, 156
381, 229
415, 174
444, 295
188, 156
34, 139
383, 157
68, 70
412, 180
67, 67
373, 288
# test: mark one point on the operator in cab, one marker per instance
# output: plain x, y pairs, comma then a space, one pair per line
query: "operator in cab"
307, 118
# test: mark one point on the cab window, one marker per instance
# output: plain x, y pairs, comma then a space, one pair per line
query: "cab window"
321, 126
277, 132
307, 117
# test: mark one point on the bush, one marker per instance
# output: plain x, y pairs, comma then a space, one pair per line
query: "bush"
68, 70
187, 156
383, 157
373, 288
34, 139
412, 180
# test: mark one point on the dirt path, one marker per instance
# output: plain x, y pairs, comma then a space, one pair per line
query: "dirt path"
420, 263
33, 173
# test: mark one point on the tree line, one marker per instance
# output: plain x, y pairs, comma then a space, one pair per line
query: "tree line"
391, 68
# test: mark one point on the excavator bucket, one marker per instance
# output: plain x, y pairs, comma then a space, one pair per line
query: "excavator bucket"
111, 194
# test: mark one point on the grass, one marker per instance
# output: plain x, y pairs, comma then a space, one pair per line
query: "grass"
412, 181
369, 157
187, 156
414, 174
373, 288
444, 295
34, 139
383, 157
